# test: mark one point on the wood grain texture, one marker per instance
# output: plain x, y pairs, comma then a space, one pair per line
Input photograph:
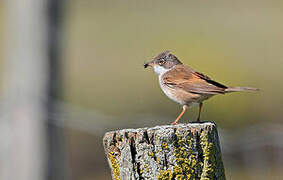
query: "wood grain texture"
184, 151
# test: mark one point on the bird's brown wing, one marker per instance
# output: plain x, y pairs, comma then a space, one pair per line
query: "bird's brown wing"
185, 78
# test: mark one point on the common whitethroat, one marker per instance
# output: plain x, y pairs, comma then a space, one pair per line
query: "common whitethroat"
184, 85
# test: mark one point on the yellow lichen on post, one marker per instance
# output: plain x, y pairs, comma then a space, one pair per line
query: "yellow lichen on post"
165, 175
210, 163
115, 166
164, 146
181, 152
186, 162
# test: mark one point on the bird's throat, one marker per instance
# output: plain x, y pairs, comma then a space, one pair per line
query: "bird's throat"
159, 70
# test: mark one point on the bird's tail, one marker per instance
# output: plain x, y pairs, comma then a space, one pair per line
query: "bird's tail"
237, 89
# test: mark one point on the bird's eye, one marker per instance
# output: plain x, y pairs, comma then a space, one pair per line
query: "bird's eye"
161, 62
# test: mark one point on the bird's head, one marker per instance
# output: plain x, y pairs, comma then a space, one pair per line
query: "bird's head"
163, 62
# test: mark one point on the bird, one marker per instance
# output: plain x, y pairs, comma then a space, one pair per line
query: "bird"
186, 86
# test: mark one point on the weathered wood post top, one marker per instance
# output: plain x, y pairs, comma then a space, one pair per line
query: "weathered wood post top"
184, 151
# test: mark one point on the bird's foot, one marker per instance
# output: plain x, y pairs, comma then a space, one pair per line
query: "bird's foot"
174, 123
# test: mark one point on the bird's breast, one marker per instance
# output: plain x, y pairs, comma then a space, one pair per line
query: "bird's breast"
179, 95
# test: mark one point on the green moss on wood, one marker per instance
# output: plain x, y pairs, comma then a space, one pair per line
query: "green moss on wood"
115, 166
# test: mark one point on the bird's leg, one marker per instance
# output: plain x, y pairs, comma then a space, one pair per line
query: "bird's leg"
200, 106
180, 115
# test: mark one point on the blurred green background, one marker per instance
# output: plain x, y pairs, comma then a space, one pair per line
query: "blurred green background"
105, 43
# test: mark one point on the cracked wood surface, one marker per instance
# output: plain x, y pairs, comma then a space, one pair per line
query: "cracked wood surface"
184, 151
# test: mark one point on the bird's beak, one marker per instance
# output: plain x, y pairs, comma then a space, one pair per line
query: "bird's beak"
148, 64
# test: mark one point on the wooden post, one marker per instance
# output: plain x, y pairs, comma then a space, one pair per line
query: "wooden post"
184, 151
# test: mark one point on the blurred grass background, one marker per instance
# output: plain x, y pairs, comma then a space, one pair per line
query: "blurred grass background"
105, 43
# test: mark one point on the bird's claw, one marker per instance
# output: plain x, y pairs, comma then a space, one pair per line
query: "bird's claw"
174, 123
